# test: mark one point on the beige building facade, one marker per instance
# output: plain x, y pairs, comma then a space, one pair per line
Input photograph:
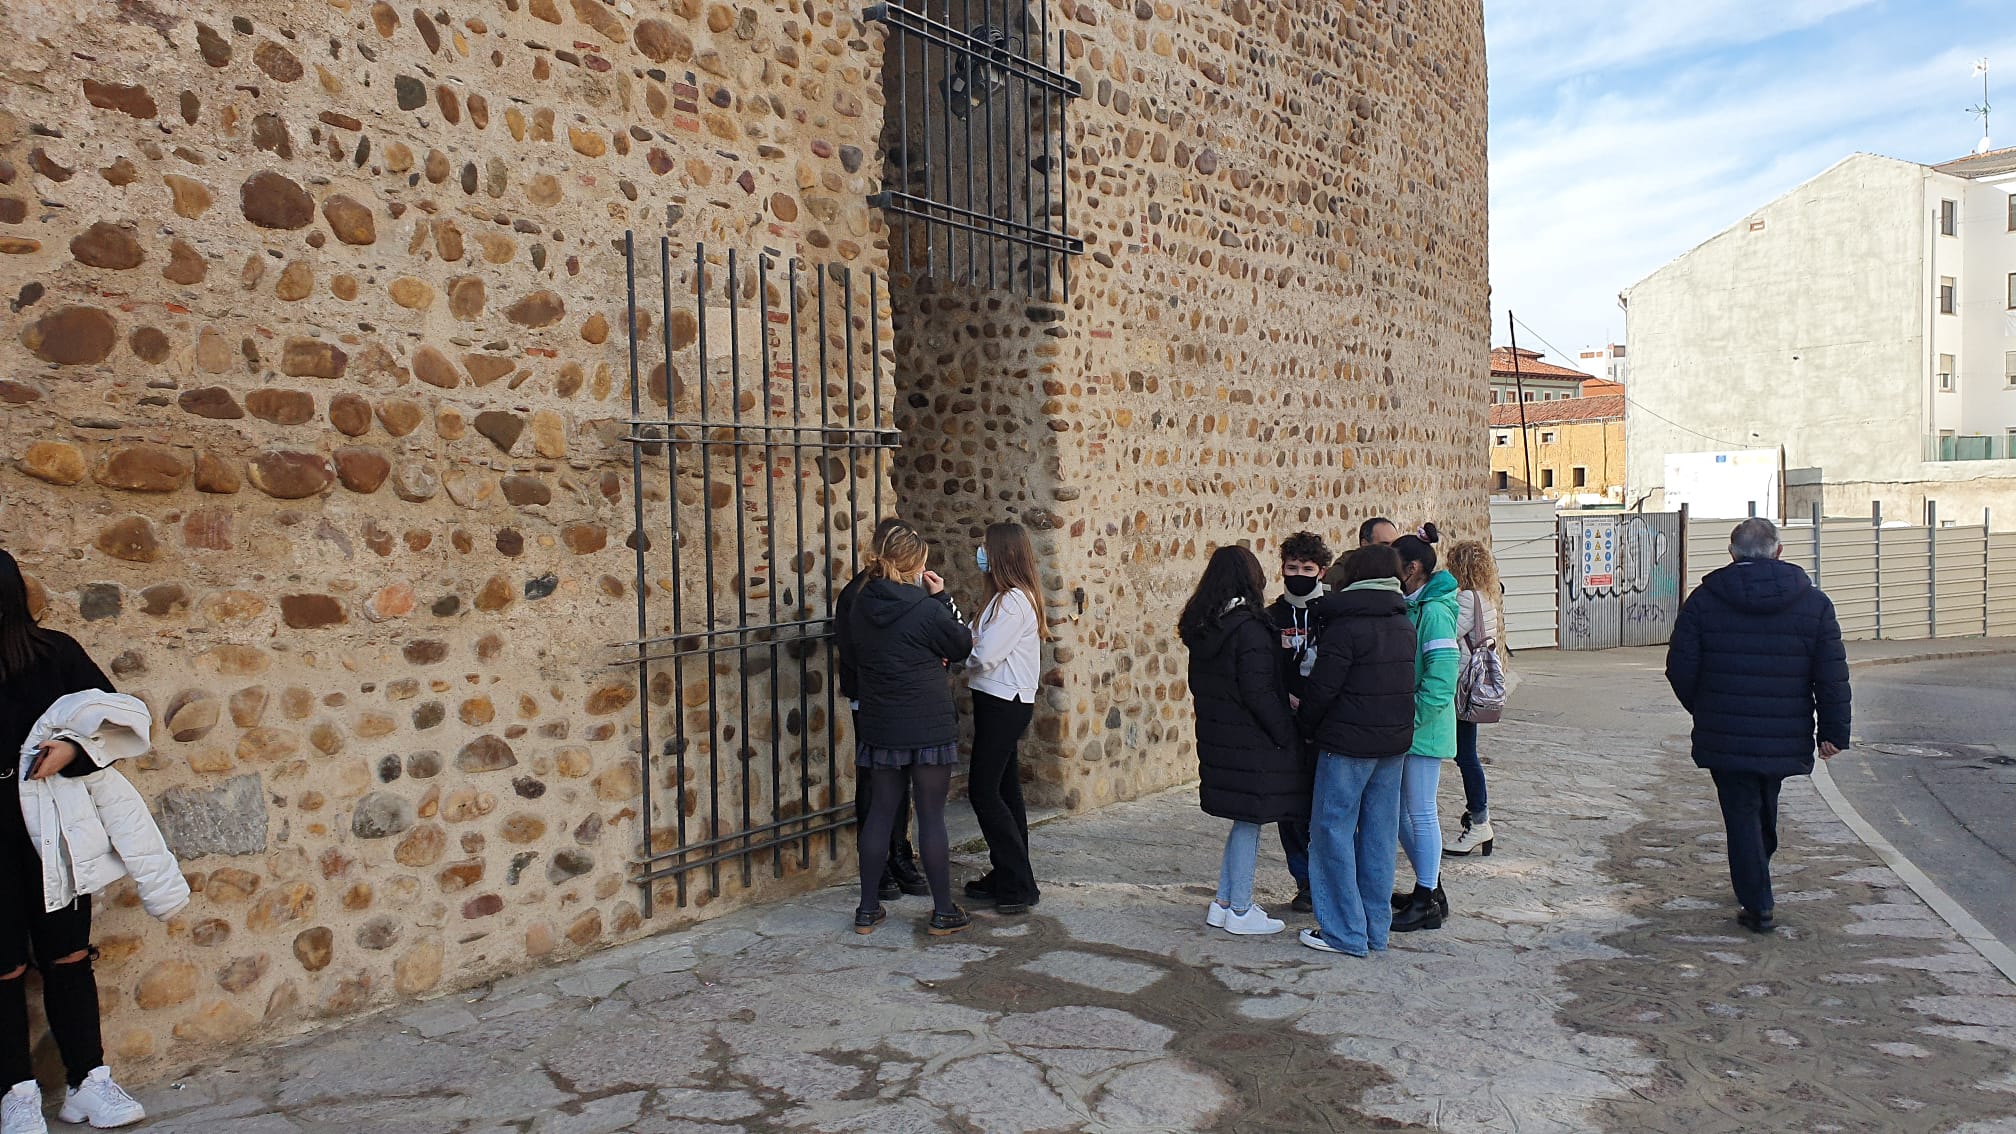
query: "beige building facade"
318, 427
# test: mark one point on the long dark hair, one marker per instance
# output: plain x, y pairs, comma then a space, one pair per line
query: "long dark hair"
1233, 572
20, 641
1011, 566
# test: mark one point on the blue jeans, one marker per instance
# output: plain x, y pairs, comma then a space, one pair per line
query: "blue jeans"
1420, 829
1476, 800
1356, 816
1235, 873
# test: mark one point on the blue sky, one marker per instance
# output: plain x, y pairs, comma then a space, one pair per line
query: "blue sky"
1624, 132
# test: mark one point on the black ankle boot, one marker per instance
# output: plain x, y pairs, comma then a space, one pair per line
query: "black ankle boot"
887, 889
1423, 911
903, 868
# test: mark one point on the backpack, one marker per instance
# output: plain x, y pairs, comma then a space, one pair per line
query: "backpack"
1480, 688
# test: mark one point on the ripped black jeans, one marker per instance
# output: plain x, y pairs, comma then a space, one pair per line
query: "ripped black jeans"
29, 934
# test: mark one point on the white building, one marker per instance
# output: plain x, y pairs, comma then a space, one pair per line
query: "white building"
1606, 362
1865, 322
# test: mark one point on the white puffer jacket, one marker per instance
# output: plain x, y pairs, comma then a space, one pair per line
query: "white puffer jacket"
95, 829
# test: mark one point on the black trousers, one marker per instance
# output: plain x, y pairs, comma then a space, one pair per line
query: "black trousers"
1750, 814
30, 934
995, 790
864, 801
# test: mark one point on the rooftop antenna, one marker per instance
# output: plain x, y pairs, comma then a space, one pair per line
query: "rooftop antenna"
1981, 111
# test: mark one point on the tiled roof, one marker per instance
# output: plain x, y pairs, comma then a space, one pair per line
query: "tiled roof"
1991, 164
1566, 411
1530, 366
1597, 387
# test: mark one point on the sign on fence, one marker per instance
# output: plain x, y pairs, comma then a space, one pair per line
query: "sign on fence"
1620, 579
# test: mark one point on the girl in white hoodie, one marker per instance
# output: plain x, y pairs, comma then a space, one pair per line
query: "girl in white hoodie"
1006, 662
37, 668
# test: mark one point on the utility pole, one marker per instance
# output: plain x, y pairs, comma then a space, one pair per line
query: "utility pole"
1519, 391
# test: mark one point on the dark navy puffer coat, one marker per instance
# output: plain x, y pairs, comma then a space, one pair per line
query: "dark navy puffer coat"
1757, 658
1250, 762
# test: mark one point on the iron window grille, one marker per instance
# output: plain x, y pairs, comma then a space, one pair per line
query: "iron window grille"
975, 164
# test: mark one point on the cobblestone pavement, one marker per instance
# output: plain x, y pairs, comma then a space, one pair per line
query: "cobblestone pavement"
1591, 980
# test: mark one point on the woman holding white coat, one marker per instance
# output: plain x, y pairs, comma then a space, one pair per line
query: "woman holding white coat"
98, 830
1006, 662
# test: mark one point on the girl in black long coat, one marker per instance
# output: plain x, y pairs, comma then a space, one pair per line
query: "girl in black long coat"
1249, 760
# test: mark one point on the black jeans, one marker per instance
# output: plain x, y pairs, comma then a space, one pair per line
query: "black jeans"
995, 790
1750, 813
28, 934
864, 801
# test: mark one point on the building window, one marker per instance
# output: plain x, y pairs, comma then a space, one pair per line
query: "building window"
1948, 300
1547, 438
2012, 291
1581, 477
1494, 397
1945, 373
1502, 437
2012, 212
2009, 369
1526, 397
1546, 478
2009, 445
1949, 218
1504, 481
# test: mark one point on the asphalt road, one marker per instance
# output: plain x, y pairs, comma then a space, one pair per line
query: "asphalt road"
1934, 769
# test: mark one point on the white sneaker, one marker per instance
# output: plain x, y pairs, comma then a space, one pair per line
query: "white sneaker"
1474, 838
1216, 915
101, 1102
1253, 923
21, 1110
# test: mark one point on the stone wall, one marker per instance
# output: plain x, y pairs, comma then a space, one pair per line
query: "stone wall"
312, 434
1279, 323
315, 429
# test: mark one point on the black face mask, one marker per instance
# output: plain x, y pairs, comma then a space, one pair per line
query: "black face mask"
1300, 585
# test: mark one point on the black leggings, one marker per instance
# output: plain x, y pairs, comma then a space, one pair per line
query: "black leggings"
929, 786
995, 790
69, 991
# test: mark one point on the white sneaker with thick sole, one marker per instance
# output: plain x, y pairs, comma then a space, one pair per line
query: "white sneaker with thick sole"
1216, 915
1253, 923
101, 1102
1474, 838
21, 1110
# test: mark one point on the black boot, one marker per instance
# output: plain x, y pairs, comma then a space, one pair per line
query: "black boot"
887, 889
903, 868
1424, 911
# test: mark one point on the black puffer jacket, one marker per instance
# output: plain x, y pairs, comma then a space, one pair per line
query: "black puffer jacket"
1248, 757
1359, 699
1756, 656
900, 639
843, 637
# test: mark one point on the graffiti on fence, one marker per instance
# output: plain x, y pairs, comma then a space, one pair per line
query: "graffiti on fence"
1620, 580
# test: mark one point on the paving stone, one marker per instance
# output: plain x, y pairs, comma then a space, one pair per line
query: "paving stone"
1000, 1094
1108, 974
602, 1116
1165, 1094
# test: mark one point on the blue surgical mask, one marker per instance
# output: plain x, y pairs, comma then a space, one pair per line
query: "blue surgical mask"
980, 559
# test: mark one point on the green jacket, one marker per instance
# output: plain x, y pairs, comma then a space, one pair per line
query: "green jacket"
1436, 669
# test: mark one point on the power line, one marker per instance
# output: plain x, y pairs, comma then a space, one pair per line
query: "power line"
1631, 401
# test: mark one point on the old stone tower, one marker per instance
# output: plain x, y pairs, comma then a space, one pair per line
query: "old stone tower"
318, 427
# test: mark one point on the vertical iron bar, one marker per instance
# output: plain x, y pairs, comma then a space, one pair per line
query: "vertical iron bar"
826, 492
770, 543
966, 11
951, 234
896, 222
678, 579
924, 68
853, 420
1028, 154
643, 577
1048, 172
707, 549
741, 652
798, 564
1063, 170
987, 107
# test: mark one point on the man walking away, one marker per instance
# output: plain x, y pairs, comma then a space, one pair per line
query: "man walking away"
1756, 657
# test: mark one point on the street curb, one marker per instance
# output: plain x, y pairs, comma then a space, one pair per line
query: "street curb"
1951, 912
1944, 655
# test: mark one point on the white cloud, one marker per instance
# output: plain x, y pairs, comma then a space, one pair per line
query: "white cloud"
1597, 192
1539, 40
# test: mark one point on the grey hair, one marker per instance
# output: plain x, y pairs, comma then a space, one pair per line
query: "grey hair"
1755, 538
